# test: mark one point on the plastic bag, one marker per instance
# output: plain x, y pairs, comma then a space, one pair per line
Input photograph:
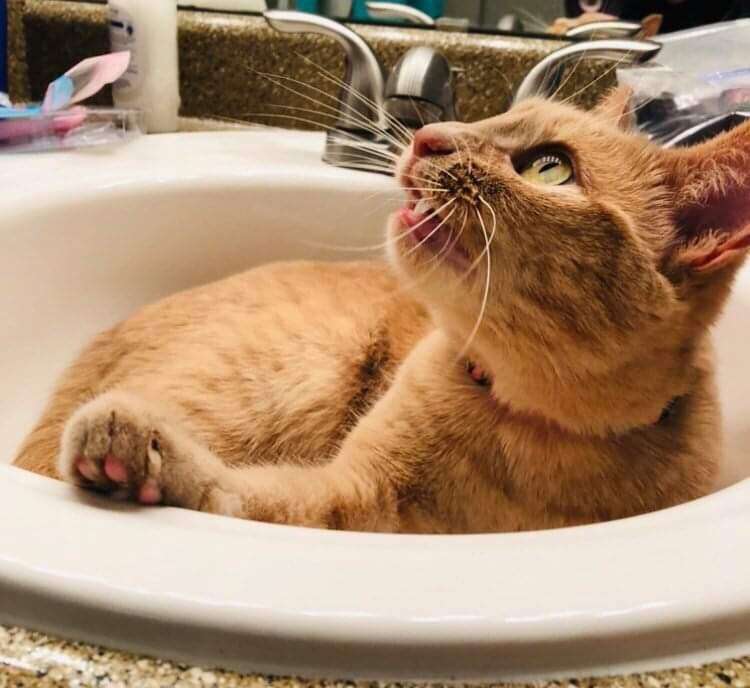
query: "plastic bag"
700, 74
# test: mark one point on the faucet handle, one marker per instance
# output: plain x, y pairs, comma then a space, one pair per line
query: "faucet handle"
361, 96
545, 77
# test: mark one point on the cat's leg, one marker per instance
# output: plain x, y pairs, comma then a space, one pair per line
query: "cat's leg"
130, 447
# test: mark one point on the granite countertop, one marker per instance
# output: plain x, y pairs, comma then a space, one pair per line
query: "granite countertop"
225, 60
221, 58
29, 659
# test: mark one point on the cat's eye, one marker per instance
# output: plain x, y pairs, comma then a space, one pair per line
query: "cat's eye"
548, 168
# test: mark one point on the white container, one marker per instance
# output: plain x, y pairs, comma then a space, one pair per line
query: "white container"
148, 29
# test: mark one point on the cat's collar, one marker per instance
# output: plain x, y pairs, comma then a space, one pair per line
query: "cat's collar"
481, 378
477, 374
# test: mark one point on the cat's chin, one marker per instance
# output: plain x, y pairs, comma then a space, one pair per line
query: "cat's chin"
425, 239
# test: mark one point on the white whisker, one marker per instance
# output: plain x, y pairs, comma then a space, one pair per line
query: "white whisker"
358, 94
362, 98
605, 73
431, 234
439, 259
488, 276
372, 247
360, 120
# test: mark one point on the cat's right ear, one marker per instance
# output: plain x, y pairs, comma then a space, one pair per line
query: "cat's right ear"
616, 107
710, 183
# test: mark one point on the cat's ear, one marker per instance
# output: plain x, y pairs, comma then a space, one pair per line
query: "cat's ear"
650, 25
616, 107
711, 187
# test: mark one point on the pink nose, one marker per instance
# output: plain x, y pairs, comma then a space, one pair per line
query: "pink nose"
432, 140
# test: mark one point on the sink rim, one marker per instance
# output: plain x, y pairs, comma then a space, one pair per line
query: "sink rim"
587, 602
451, 645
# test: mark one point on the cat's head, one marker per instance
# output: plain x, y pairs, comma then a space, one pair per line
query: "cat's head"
581, 243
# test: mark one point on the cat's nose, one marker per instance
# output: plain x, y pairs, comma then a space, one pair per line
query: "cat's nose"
434, 139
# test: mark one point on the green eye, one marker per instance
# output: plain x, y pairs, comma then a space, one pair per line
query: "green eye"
550, 168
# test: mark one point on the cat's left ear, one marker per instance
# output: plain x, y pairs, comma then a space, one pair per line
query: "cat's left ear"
616, 107
711, 187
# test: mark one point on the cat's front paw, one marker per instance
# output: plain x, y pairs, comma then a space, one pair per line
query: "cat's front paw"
115, 444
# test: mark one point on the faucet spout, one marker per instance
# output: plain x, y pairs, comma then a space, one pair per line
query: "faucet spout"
546, 75
361, 94
420, 90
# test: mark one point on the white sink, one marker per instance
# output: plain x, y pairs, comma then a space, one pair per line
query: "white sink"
87, 237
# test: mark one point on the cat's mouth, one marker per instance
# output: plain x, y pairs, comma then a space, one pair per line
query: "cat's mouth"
427, 229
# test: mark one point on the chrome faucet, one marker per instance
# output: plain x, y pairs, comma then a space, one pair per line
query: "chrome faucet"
544, 79
362, 99
418, 91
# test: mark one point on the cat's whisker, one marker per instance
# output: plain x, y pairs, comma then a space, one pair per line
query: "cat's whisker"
333, 112
365, 158
568, 76
295, 118
358, 94
363, 155
535, 21
457, 143
342, 105
417, 246
390, 195
398, 190
488, 274
366, 125
480, 257
617, 62
400, 128
468, 157
418, 111
439, 258
334, 116
457, 148
634, 109
449, 245
385, 204
404, 144
373, 247
387, 199
363, 161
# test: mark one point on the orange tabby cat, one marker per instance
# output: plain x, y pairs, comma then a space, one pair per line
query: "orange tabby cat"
329, 395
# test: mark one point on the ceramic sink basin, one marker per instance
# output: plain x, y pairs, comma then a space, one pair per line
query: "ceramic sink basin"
87, 237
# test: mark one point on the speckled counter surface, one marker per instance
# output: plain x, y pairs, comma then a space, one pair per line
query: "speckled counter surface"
224, 59
34, 659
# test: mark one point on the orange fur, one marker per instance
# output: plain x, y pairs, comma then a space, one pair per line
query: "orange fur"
337, 395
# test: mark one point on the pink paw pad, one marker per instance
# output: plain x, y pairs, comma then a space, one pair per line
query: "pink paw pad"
150, 493
115, 469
